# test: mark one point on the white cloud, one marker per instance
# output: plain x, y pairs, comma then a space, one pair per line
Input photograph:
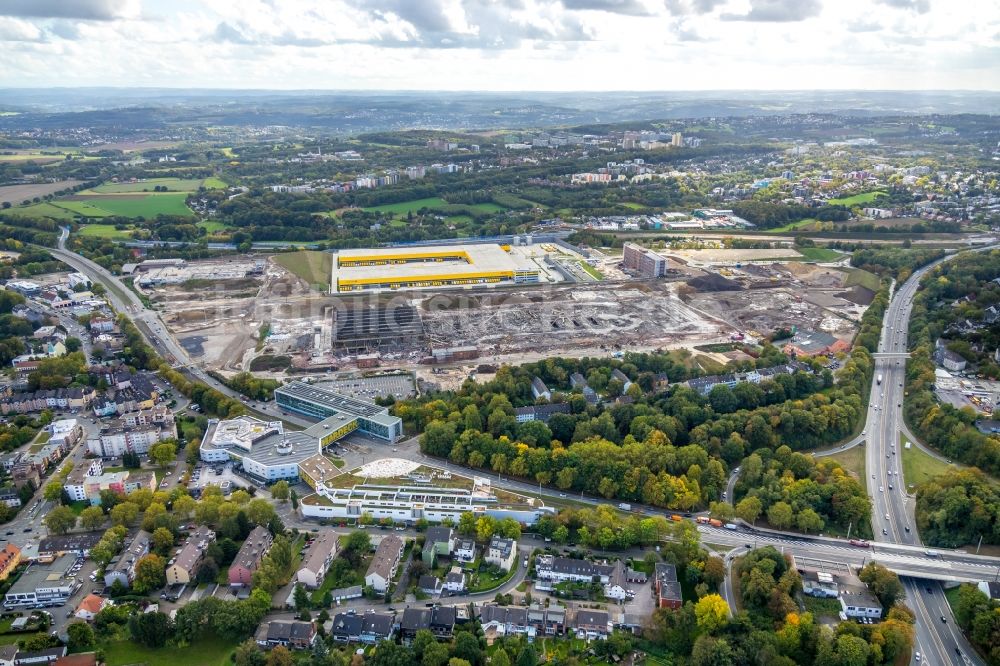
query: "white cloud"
501, 44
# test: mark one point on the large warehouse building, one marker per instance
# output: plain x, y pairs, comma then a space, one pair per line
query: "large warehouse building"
430, 266
341, 413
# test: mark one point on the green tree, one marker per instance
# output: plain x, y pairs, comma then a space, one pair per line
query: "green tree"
60, 520
248, 653
280, 490
162, 541
163, 453
150, 574
780, 515
711, 612
749, 509
883, 582
91, 518
280, 656
81, 636
53, 491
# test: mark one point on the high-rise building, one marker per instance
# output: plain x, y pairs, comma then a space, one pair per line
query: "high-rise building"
644, 261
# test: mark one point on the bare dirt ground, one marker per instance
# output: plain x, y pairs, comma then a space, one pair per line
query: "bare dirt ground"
18, 193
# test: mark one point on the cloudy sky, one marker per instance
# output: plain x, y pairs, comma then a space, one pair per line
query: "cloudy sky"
502, 44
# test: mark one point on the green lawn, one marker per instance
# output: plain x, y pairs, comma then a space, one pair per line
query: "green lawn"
792, 226
206, 652
214, 183
820, 253
211, 226
104, 231
404, 207
918, 466
172, 184
864, 198
853, 460
487, 207
312, 266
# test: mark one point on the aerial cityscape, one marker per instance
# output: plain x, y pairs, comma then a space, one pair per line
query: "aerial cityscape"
468, 333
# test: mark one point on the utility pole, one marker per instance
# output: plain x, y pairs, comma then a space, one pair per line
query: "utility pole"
979, 544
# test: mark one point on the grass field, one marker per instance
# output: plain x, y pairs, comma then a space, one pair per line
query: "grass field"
853, 460
214, 183
593, 272
45, 210
82, 208
632, 205
867, 197
206, 652
172, 184
104, 231
918, 466
143, 205
792, 226
820, 253
211, 226
863, 278
313, 267
404, 207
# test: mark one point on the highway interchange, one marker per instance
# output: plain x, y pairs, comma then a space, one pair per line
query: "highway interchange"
938, 641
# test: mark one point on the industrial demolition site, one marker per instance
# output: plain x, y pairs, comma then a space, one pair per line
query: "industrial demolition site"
250, 313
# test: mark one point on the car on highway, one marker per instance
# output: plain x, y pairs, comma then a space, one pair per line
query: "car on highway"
885, 531
887, 516
881, 490
944, 619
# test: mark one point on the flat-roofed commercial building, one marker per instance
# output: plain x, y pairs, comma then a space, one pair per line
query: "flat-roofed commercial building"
264, 449
341, 414
431, 266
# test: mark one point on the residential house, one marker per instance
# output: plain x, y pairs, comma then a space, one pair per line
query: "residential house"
947, 358
90, 606
184, 566
501, 552
122, 568
370, 628
10, 557
8, 654
465, 550
991, 314
321, 553
454, 581
499, 621
292, 634
623, 378
248, 559
438, 541
439, 620
539, 389
562, 569
576, 380
666, 586
540, 412
383, 567
79, 659
592, 624
429, 584
10, 497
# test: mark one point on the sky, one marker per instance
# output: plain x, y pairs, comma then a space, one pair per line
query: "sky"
503, 45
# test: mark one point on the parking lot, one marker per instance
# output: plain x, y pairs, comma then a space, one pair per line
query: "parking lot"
369, 388
219, 474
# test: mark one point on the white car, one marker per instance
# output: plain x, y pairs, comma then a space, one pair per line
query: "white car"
887, 516
881, 489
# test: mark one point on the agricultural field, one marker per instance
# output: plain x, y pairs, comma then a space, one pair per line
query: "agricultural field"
18, 193
82, 208
44, 210
138, 204
792, 226
104, 231
172, 185
214, 183
857, 199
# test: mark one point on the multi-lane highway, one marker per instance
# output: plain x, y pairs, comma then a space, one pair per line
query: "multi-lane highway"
937, 639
